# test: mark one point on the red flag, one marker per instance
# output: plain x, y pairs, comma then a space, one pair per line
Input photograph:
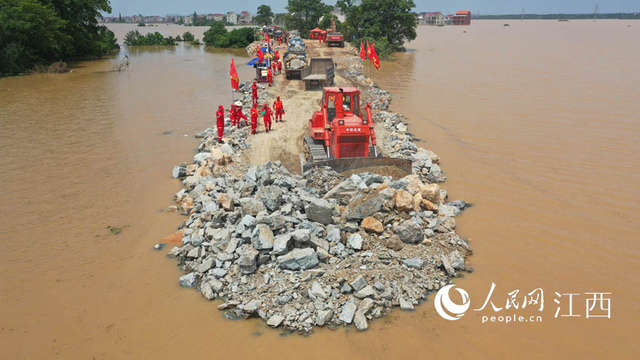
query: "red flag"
235, 80
374, 57
368, 50
266, 37
260, 55
363, 54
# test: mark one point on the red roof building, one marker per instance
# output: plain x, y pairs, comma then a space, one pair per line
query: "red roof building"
462, 18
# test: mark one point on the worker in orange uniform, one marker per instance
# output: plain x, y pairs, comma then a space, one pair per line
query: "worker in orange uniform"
266, 111
240, 115
278, 108
254, 92
254, 118
269, 76
232, 114
220, 122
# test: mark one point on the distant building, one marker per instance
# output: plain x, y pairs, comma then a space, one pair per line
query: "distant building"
232, 17
462, 18
187, 20
434, 18
218, 17
245, 18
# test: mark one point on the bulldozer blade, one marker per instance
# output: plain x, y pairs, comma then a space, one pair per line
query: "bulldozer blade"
396, 168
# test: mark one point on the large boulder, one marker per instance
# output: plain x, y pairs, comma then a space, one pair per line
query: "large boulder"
320, 210
409, 232
262, 237
299, 259
372, 224
404, 201
281, 244
271, 197
364, 205
251, 206
430, 192
247, 260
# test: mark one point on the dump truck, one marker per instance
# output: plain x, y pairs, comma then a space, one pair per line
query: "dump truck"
320, 72
342, 136
294, 65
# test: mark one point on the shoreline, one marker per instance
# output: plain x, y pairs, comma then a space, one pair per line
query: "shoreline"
323, 249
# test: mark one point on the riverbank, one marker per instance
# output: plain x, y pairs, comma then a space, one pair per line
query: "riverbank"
318, 250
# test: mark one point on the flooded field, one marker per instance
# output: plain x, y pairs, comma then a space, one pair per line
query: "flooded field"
537, 126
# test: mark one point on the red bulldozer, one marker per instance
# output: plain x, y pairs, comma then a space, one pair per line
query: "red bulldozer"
342, 136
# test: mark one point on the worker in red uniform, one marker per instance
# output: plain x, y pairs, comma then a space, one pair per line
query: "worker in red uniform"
240, 115
269, 76
278, 108
280, 67
254, 118
220, 122
266, 111
254, 92
274, 66
277, 56
232, 114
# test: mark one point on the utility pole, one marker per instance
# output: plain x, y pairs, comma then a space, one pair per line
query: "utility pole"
595, 13
522, 16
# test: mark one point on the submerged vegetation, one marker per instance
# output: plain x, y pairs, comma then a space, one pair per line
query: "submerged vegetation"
134, 38
41, 32
218, 36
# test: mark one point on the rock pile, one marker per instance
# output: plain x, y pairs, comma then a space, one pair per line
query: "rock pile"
318, 250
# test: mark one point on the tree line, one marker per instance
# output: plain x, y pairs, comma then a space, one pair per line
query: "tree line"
40, 32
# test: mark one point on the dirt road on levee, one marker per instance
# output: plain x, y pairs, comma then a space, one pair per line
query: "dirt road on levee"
284, 141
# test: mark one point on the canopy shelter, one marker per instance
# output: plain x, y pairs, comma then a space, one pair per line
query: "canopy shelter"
315, 32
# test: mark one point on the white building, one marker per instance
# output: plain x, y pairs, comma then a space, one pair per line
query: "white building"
232, 17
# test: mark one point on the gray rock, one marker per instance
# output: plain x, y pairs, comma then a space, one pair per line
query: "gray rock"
360, 321
409, 232
365, 306
218, 273
251, 206
247, 260
179, 172
320, 211
445, 224
405, 305
323, 317
189, 280
345, 289
364, 205
301, 236
207, 291
271, 197
226, 149
206, 265
195, 253
457, 260
358, 283
317, 291
333, 235
416, 263
262, 237
448, 210
365, 292
216, 285
201, 157
299, 259
460, 204
348, 312
379, 286
281, 244
355, 242
447, 265
275, 321
252, 306
343, 191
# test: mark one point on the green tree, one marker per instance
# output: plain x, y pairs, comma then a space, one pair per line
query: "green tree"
218, 36
388, 20
304, 15
264, 16
188, 36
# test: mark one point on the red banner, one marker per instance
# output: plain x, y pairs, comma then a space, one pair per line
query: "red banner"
235, 80
363, 54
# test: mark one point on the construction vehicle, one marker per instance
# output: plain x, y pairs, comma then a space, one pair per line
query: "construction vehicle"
319, 72
334, 38
342, 136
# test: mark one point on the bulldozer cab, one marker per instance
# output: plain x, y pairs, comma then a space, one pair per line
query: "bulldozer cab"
348, 99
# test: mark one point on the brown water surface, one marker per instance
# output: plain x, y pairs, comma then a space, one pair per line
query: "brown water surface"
537, 125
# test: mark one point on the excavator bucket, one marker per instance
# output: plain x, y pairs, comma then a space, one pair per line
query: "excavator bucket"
396, 168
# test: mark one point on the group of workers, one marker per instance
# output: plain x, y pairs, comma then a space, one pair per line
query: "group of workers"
236, 115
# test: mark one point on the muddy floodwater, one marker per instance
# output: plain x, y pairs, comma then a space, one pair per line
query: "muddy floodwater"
537, 125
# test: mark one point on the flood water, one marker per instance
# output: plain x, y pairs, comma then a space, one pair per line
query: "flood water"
538, 127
